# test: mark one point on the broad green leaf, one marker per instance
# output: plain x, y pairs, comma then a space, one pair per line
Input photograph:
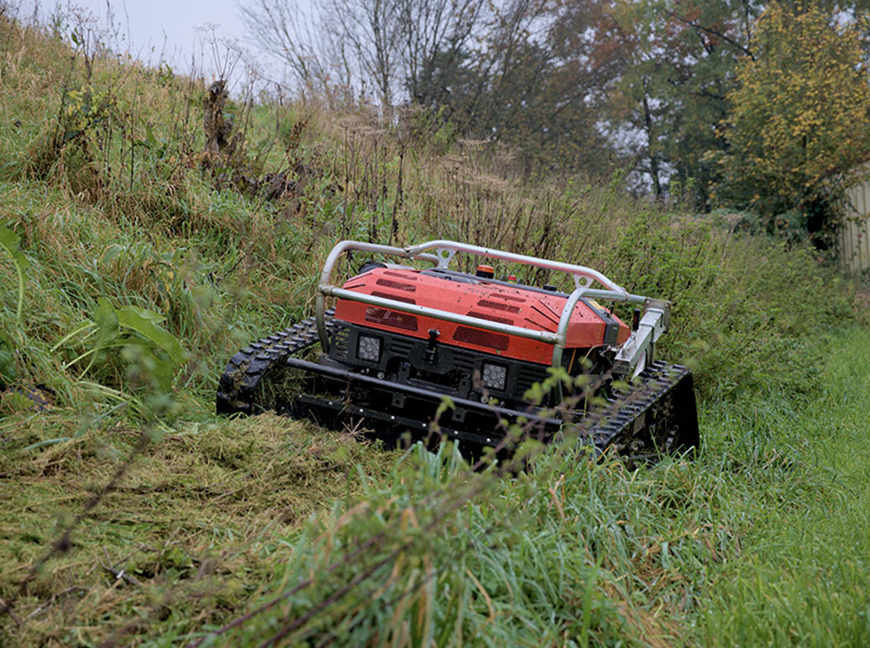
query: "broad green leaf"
145, 322
10, 241
107, 323
143, 359
111, 252
149, 137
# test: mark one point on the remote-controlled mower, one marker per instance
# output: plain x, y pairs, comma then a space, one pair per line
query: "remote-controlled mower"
420, 346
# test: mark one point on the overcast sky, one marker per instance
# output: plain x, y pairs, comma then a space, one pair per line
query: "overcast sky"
173, 31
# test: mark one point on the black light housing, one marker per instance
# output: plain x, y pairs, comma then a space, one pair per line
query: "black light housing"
368, 348
494, 376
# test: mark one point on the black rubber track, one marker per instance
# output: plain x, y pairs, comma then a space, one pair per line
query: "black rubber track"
656, 415
237, 387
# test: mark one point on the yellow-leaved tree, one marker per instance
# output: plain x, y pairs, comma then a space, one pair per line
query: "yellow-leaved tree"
797, 132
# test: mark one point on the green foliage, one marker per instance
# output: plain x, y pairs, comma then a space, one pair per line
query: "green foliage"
797, 128
152, 353
83, 109
677, 65
7, 360
445, 576
9, 241
800, 578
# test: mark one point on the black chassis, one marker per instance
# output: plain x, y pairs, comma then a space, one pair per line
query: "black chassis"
406, 388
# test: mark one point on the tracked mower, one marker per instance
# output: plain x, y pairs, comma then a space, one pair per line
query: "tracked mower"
419, 347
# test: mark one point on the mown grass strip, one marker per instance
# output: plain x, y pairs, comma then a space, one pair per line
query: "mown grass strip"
804, 575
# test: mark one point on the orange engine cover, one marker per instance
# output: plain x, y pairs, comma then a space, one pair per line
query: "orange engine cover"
482, 299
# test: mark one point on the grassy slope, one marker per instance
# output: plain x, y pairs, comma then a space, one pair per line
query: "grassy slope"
192, 521
803, 574
211, 517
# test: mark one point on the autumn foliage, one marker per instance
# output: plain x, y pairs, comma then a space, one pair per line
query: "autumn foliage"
798, 127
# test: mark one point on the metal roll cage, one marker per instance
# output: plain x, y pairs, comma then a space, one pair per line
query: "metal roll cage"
441, 253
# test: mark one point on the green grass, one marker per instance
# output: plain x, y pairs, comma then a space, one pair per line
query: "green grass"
193, 520
803, 575
760, 541
268, 527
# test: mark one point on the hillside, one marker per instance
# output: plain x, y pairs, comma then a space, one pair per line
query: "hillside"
151, 227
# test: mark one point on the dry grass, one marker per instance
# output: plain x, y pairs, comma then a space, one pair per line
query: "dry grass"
195, 523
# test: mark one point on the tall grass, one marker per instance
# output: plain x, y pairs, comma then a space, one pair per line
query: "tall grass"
260, 528
759, 541
113, 195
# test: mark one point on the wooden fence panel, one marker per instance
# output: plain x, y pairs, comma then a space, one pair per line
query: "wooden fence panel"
855, 232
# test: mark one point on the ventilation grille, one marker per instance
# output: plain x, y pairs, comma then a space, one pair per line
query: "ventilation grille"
340, 342
463, 364
527, 376
398, 285
481, 338
400, 347
398, 298
491, 318
392, 319
486, 303
465, 360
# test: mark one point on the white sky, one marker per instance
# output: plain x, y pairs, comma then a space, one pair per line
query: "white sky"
180, 33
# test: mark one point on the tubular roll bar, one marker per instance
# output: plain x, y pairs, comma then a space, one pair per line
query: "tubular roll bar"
441, 252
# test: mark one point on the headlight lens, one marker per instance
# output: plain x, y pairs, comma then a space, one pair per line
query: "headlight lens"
369, 348
494, 376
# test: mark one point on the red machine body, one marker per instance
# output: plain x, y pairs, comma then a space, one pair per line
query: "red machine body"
590, 326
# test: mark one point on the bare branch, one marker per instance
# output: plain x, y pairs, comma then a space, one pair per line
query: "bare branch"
712, 32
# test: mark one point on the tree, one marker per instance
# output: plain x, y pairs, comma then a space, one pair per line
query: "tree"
382, 45
679, 59
798, 128
370, 30
434, 38
526, 81
672, 90
286, 32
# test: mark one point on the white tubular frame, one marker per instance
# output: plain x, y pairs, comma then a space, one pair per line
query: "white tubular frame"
441, 252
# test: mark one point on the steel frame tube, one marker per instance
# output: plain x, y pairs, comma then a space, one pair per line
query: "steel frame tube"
343, 374
578, 271
558, 339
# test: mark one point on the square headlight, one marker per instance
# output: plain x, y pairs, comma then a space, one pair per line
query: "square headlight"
369, 348
494, 376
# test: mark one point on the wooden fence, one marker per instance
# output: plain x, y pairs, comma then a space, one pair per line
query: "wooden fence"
855, 232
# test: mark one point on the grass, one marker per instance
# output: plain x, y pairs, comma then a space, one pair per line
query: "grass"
231, 532
803, 573
192, 522
757, 542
